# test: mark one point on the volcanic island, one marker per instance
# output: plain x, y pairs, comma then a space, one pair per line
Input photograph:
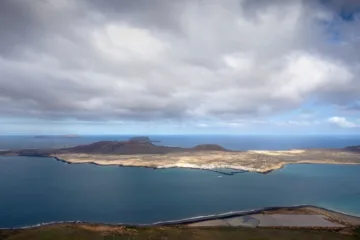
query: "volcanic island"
142, 152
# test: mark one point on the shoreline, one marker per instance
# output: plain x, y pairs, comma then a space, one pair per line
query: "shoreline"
184, 222
204, 156
236, 169
233, 170
215, 170
221, 216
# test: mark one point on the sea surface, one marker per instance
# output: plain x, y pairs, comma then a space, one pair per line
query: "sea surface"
41, 190
234, 142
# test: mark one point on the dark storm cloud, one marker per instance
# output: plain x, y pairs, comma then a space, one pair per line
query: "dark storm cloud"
174, 59
16, 24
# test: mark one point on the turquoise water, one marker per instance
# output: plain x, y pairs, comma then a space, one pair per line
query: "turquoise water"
40, 190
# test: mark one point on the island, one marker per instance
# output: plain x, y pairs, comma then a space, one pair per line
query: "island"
142, 152
57, 136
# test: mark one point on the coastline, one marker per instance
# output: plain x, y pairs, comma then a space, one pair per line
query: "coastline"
346, 219
211, 167
198, 219
221, 216
216, 170
139, 153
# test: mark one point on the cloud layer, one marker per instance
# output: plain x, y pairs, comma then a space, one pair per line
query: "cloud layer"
343, 122
146, 60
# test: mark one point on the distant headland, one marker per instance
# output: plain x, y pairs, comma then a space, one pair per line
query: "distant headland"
52, 136
142, 152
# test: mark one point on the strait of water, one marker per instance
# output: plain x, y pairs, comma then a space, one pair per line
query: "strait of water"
41, 190
234, 142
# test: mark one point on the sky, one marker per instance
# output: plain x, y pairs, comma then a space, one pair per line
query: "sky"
179, 67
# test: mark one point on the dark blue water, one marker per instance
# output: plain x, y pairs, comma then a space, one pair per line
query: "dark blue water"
38, 190
242, 142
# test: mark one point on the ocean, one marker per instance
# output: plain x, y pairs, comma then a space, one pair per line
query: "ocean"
41, 190
234, 142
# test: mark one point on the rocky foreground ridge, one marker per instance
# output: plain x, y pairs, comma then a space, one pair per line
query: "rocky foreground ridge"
142, 152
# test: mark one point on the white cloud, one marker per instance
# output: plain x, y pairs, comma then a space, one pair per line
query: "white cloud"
304, 74
231, 124
303, 123
202, 125
198, 60
127, 44
342, 122
259, 122
297, 123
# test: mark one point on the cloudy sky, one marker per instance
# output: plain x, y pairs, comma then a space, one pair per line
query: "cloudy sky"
179, 66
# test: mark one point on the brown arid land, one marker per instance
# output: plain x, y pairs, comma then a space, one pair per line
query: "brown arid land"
310, 223
255, 161
141, 152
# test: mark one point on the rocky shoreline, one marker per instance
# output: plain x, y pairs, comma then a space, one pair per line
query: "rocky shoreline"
345, 219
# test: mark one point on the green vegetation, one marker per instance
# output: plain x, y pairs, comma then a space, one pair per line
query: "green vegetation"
98, 232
